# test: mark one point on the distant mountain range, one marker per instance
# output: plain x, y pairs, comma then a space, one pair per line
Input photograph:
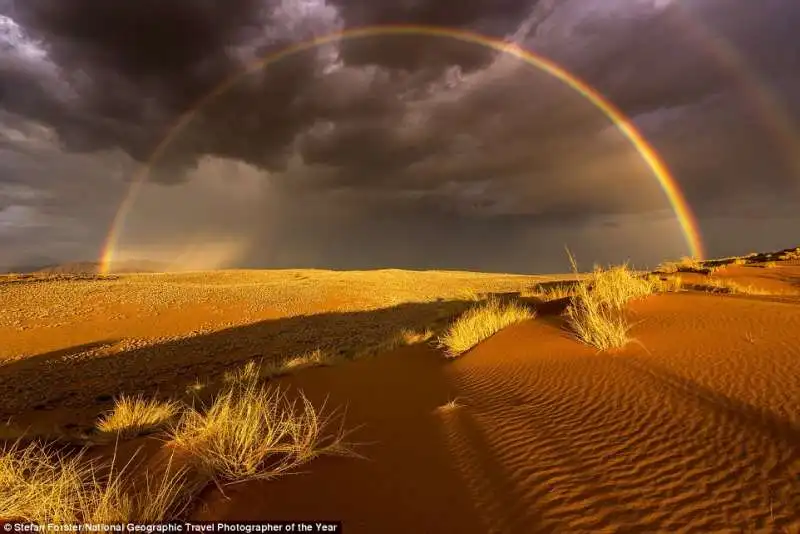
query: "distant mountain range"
91, 267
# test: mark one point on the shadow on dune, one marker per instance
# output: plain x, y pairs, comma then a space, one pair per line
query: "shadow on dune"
758, 419
505, 507
409, 479
95, 373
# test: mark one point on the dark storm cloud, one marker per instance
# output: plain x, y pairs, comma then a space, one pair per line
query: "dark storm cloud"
397, 52
134, 66
683, 54
417, 127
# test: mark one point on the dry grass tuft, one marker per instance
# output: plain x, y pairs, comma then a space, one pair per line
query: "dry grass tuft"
481, 322
42, 485
666, 284
448, 407
314, 358
769, 264
791, 254
135, 416
196, 387
252, 432
732, 287
596, 313
244, 374
554, 291
253, 371
616, 286
596, 323
686, 265
413, 337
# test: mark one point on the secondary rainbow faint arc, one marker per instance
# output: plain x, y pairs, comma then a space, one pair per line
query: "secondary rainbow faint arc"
681, 208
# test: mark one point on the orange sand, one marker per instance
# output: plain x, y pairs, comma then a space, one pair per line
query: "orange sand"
693, 428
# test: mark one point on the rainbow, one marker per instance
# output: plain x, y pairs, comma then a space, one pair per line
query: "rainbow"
680, 207
765, 101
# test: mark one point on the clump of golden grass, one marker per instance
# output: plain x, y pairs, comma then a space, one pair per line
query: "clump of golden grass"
244, 374
196, 387
134, 416
554, 291
449, 406
254, 371
790, 254
666, 284
413, 337
731, 287
481, 322
403, 338
253, 432
617, 286
42, 485
769, 264
686, 265
739, 261
596, 323
314, 358
596, 313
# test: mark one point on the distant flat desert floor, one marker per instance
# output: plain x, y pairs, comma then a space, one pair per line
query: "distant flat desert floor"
694, 427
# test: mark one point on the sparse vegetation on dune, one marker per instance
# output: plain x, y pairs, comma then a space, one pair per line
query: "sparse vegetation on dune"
616, 286
596, 313
43, 485
248, 432
597, 323
261, 370
254, 432
790, 254
666, 284
134, 416
552, 292
252, 429
413, 337
686, 265
730, 287
481, 322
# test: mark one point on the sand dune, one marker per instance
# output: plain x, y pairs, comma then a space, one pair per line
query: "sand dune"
694, 427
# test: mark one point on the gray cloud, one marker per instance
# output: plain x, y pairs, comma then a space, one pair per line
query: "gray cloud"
427, 132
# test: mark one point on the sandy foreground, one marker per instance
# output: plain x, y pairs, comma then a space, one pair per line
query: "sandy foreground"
695, 427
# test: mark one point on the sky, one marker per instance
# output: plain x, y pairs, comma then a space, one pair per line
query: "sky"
393, 151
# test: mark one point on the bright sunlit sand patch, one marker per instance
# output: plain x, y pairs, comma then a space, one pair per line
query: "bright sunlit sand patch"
470, 431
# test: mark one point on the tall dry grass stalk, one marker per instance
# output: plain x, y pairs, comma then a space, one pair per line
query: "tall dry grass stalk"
254, 432
618, 285
43, 485
481, 322
596, 314
134, 416
597, 323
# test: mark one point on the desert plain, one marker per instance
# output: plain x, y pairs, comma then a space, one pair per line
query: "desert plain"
399, 401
